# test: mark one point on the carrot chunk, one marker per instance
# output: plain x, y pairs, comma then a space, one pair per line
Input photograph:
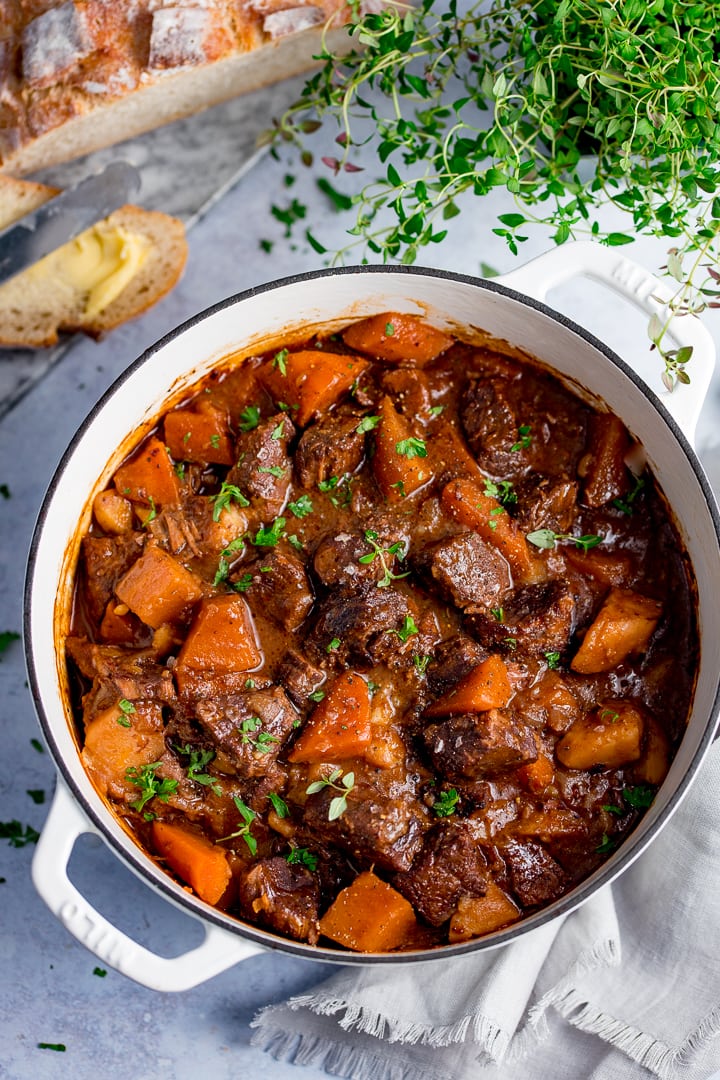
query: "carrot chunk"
401, 463
610, 736
221, 639
157, 588
369, 916
466, 502
538, 775
397, 338
339, 726
622, 627
484, 687
476, 916
199, 436
149, 477
194, 858
310, 381
116, 740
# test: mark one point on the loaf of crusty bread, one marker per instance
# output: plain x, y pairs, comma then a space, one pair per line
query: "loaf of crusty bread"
78, 75
34, 309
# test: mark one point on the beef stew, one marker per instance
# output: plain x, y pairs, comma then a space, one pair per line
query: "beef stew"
385, 640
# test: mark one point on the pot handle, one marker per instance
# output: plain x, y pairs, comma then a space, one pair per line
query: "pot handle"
606, 265
64, 825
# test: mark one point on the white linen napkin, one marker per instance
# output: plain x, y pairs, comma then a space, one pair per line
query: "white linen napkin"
632, 976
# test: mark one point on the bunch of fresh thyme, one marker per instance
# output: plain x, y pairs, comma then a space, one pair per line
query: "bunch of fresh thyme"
518, 94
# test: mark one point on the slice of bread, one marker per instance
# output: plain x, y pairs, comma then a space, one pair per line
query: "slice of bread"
33, 311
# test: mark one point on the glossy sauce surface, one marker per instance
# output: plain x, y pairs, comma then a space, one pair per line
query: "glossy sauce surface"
382, 641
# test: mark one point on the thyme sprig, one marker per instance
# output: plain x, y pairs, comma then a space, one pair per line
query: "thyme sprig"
519, 94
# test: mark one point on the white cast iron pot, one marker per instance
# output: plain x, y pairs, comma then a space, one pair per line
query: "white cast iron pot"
261, 319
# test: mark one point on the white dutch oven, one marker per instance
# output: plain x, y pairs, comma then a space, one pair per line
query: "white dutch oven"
258, 320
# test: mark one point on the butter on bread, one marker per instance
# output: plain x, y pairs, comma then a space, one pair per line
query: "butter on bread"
79, 75
108, 274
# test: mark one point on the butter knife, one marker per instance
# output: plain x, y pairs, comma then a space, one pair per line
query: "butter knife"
67, 215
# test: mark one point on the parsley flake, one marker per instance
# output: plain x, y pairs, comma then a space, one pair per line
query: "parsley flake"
411, 448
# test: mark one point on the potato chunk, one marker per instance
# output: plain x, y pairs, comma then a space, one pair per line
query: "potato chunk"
622, 627
480, 915
610, 736
369, 916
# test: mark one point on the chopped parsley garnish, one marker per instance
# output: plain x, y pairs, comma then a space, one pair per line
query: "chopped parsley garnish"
215, 442
127, 709
407, 629
228, 493
368, 423
59, 1047
279, 361
400, 485
248, 817
249, 418
180, 469
626, 504
294, 542
333, 645
269, 536
244, 583
317, 695
151, 787
260, 743
436, 410
446, 803
613, 809
278, 431
607, 844
152, 513
411, 448
338, 805
638, 797
395, 549
498, 614
610, 715
547, 538
100, 972
502, 490
18, 835
37, 795
389, 329
494, 514
37, 745
279, 805
525, 439
511, 642
198, 760
553, 660
274, 470
302, 856
301, 507
421, 663
329, 484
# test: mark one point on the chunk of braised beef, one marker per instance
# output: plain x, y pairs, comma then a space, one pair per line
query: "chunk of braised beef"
331, 447
298, 677
535, 877
282, 897
535, 619
381, 826
546, 502
450, 865
106, 559
361, 626
605, 475
452, 659
467, 571
409, 390
133, 674
338, 560
250, 728
491, 423
476, 745
264, 470
280, 588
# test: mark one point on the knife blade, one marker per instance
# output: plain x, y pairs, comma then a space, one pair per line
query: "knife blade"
63, 218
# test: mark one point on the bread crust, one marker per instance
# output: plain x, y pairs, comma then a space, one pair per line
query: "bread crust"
79, 75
